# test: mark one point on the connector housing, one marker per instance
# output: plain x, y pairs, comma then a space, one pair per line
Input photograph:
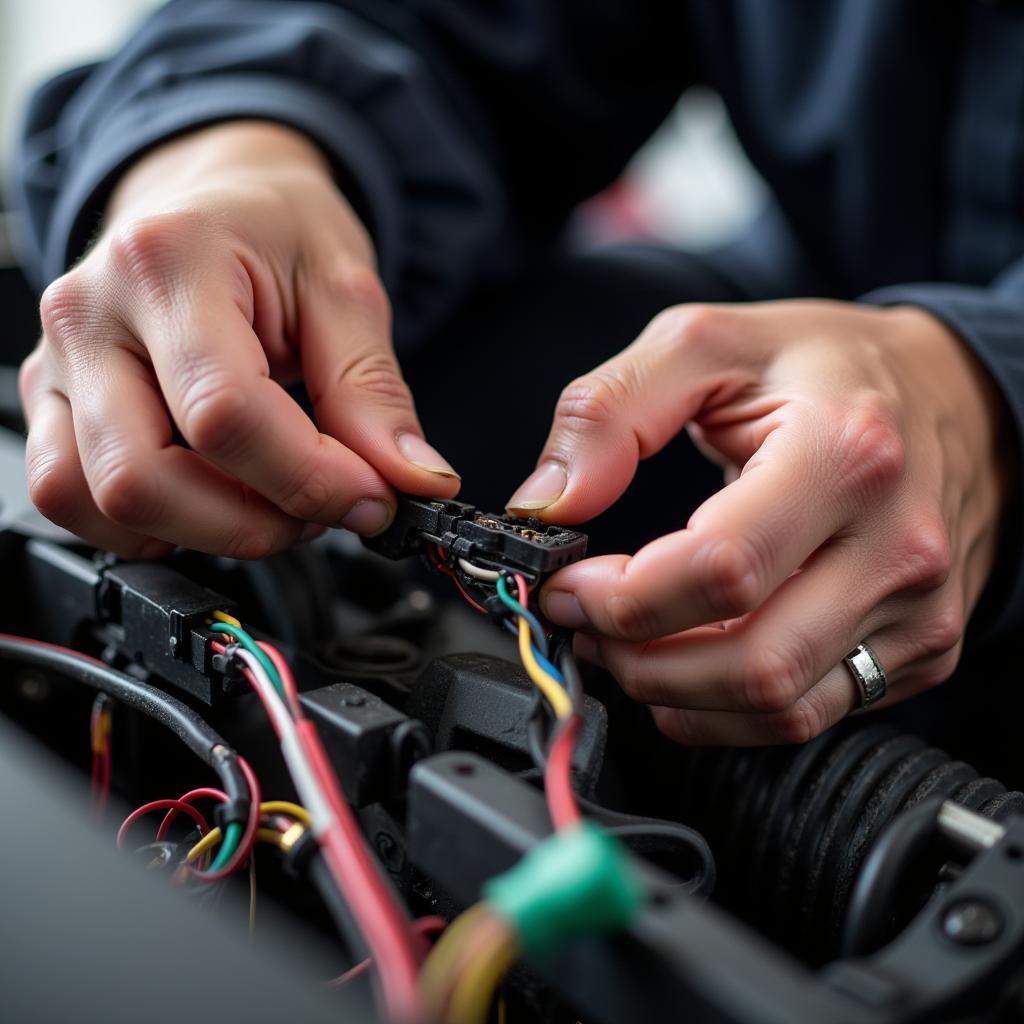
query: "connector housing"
493, 541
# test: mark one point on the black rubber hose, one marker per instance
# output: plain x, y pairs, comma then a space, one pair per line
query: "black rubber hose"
791, 827
181, 720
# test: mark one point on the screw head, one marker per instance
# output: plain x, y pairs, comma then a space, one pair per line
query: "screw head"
972, 922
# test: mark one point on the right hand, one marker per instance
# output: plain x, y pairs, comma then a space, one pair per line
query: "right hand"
229, 264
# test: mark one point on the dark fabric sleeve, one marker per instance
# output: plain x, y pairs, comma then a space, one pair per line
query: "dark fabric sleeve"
991, 322
466, 131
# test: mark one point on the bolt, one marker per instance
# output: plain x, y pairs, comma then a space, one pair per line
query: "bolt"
972, 922
355, 701
173, 641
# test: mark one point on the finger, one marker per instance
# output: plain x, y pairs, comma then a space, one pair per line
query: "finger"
819, 709
142, 481
214, 375
798, 490
356, 385
630, 407
915, 657
57, 483
766, 661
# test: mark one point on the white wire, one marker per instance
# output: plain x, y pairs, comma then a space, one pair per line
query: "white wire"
301, 771
488, 575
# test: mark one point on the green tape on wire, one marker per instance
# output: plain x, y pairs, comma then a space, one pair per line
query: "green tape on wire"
244, 640
578, 883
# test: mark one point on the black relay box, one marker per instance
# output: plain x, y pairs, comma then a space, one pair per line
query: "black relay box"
529, 546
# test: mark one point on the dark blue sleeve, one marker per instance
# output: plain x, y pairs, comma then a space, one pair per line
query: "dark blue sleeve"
465, 132
991, 322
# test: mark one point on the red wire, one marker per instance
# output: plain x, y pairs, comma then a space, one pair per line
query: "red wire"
159, 805
10, 637
194, 794
562, 805
291, 689
248, 839
442, 568
423, 927
383, 922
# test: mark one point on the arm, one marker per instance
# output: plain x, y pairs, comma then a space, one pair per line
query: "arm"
461, 132
208, 155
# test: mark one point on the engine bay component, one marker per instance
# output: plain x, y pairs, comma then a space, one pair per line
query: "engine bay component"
372, 764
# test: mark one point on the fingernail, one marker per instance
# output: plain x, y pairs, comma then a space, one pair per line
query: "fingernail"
426, 456
310, 532
542, 488
563, 608
368, 517
587, 648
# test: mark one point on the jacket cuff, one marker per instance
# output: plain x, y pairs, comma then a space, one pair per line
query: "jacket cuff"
992, 325
132, 128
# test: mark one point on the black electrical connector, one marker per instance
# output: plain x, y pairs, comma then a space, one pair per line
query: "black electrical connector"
491, 541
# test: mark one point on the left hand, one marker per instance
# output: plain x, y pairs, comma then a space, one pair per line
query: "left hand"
865, 488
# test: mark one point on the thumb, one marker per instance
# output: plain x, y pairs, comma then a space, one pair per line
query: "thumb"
356, 385
627, 409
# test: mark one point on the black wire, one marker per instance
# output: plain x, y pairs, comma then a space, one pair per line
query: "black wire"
323, 880
185, 723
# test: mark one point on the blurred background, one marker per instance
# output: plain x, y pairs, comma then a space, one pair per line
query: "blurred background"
690, 185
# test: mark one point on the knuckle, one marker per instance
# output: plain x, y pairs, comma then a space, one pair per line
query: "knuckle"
589, 401
250, 543
798, 724
151, 251
773, 679
217, 417
943, 631
52, 484
925, 554
692, 327
125, 493
731, 574
307, 496
359, 288
630, 618
378, 376
63, 310
870, 446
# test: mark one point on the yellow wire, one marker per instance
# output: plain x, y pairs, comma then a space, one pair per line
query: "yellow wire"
229, 619
443, 960
474, 991
287, 807
213, 837
555, 695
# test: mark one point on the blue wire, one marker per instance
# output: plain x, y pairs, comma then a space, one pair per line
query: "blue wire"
538, 634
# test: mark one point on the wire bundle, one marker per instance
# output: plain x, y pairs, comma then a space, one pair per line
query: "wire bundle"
381, 920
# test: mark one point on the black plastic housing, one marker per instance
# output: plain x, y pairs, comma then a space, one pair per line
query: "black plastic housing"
493, 541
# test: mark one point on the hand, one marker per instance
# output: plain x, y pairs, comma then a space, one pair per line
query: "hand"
865, 489
229, 265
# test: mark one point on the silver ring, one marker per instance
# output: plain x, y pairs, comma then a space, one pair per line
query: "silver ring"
868, 674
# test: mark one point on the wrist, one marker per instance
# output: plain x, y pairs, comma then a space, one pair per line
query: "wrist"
212, 155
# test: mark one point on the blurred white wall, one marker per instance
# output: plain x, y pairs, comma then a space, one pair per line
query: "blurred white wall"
41, 37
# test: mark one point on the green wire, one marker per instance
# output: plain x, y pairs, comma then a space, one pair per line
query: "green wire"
540, 641
232, 837
246, 641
